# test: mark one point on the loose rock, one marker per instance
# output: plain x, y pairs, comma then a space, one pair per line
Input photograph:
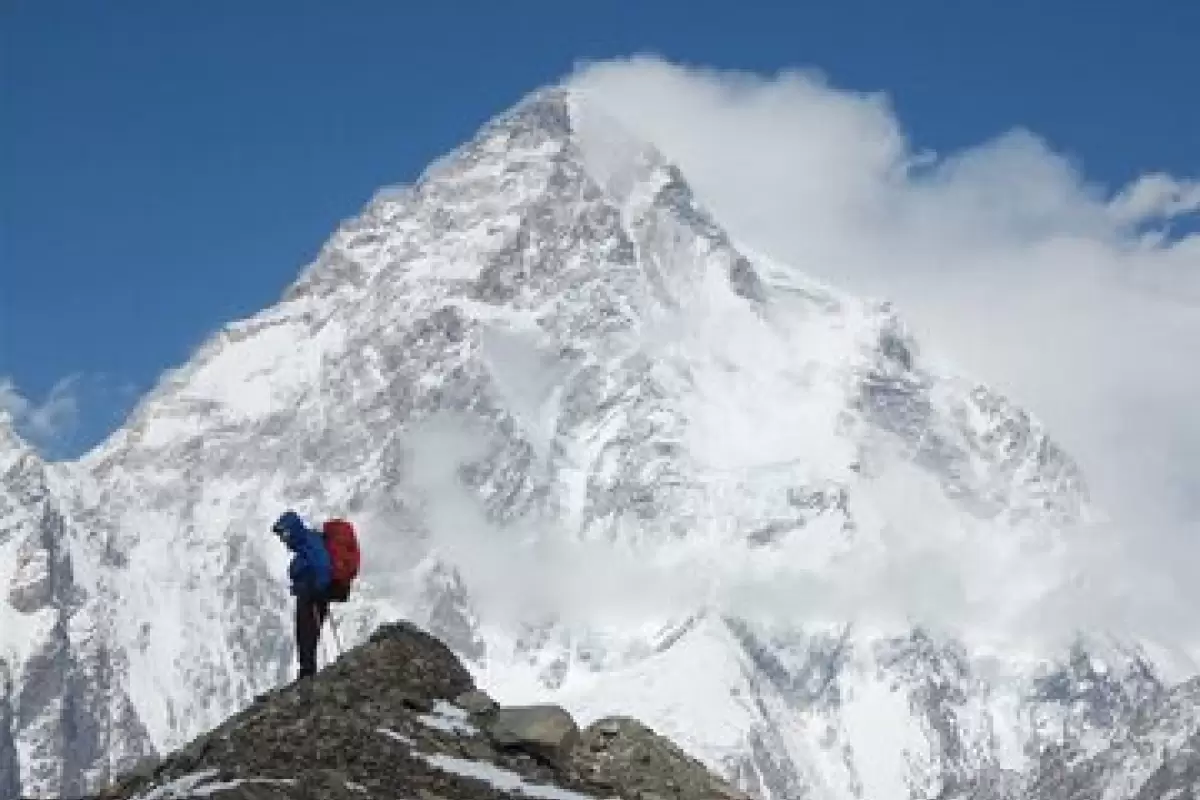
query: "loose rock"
548, 732
476, 703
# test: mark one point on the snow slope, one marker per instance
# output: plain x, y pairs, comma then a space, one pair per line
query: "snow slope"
609, 455
66, 720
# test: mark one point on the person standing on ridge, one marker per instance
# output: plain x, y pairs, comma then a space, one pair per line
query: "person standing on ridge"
310, 573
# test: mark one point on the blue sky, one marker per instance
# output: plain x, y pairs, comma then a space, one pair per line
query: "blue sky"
167, 167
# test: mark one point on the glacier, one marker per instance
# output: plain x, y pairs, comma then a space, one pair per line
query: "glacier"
615, 459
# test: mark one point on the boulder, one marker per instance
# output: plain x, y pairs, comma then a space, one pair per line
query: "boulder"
476, 703
637, 762
547, 732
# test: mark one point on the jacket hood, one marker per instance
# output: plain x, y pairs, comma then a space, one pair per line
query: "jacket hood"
292, 526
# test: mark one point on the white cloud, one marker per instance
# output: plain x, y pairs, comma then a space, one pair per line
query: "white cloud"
1072, 297
1156, 195
49, 421
10, 399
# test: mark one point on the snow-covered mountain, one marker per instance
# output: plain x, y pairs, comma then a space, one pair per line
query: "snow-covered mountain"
610, 456
66, 719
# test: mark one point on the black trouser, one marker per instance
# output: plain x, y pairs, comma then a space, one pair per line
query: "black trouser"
311, 611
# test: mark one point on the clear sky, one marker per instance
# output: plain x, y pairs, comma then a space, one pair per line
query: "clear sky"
167, 167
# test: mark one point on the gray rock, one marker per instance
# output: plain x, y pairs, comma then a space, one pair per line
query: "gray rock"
145, 767
606, 727
476, 703
626, 755
10, 785
545, 731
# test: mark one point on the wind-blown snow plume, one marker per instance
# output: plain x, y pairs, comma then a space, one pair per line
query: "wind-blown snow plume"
48, 421
1077, 301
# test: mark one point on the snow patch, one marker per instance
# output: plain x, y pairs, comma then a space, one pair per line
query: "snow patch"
502, 779
197, 784
887, 741
396, 736
448, 719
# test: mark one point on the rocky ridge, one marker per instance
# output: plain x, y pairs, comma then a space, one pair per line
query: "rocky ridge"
399, 716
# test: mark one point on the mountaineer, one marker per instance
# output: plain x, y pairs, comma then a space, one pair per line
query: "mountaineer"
324, 565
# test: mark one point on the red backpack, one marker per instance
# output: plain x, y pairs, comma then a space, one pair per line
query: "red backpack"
342, 544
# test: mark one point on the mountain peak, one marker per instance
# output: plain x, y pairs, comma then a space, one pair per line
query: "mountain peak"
642, 414
555, 162
548, 110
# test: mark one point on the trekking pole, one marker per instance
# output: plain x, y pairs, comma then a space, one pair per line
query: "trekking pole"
336, 638
322, 649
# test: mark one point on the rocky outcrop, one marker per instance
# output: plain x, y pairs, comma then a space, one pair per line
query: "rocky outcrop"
66, 721
547, 731
10, 783
1161, 743
615, 751
388, 720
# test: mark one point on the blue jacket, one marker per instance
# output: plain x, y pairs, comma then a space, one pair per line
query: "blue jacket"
310, 569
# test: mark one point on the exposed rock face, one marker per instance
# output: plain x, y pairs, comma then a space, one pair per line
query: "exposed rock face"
66, 721
617, 748
1159, 743
378, 724
10, 774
